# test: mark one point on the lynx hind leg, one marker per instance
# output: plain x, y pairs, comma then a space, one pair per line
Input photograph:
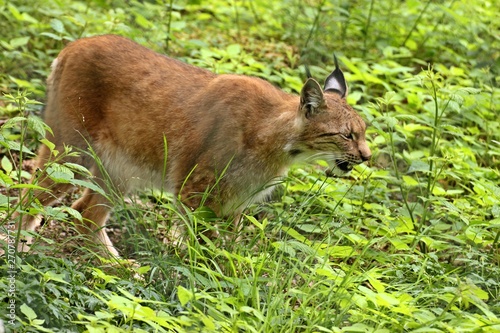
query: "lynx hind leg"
50, 197
51, 194
95, 208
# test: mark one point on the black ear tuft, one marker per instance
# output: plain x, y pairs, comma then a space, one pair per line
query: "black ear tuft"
336, 82
308, 72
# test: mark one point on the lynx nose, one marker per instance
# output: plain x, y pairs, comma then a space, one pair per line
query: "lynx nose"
364, 151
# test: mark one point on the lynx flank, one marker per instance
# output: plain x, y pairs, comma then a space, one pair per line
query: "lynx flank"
231, 135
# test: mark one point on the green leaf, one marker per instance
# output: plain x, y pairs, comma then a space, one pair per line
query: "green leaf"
438, 191
255, 222
24, 17
29, 186
128, 294
13, 145
106, 277
310, 228
15, 12
37, 125
53, 276
57, 25
285, 247
209, 323
18, 42
13, 122
37, 323
178, 25
73, 213
6, 165
339, 251
410, 181
295, 234
142, 21
51, 35
205, 213
399, 244
233, 50
5, 180
184, 295
78, 168
87, 184
143, 269
386, 299
60, 173
28, 312
419, 166
28, 85
48, 143
254, 312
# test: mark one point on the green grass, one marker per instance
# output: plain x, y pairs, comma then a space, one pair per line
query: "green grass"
408, 243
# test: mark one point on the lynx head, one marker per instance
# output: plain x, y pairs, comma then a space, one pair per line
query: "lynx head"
330, 128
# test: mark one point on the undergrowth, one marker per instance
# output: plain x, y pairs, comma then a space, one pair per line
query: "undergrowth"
408, 243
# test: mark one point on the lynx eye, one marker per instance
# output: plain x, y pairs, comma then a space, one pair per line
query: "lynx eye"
349, 136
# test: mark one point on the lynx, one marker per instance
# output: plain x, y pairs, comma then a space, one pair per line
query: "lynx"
156, 121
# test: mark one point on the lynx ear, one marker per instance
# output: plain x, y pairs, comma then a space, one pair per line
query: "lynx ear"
311, 98
336, 82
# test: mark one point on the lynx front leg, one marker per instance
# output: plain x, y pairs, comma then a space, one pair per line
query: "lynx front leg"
194, 195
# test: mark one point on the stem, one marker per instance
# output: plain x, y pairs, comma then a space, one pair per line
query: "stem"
433, 176
345, 25
494, 245
236, 18
416, 23
20, 100
434, 136
367, 28
295, 17
315, 23
396, 171
430, 179
254, 13
433, 30
169, 24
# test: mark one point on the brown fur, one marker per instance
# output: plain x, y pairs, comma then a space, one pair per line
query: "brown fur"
126, 101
